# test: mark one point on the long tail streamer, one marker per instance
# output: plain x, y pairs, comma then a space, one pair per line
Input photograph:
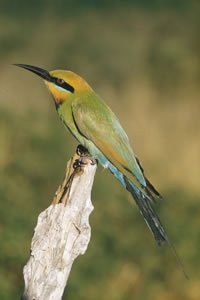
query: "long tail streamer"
151, 218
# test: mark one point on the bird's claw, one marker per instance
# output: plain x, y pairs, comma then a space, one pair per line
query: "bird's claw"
78, 164
84, 156
82, 151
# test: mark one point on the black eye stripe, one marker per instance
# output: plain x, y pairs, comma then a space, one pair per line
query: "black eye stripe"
63, 84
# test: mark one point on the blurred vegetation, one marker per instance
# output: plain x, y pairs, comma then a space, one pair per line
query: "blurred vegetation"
143, 57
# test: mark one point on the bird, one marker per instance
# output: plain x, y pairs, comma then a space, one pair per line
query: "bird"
96, 128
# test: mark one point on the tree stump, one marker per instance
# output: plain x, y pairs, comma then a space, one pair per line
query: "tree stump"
62, 232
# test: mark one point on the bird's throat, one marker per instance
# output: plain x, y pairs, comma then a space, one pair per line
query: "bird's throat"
58, 101
59, 96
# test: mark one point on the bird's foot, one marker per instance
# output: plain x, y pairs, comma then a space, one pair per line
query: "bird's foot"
85, 157
82, 151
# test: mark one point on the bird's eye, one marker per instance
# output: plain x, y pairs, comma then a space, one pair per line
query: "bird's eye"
60, 81
63, 84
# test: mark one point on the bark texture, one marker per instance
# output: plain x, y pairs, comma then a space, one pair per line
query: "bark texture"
62, 233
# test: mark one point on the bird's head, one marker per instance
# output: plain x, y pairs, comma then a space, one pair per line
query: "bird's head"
61, 84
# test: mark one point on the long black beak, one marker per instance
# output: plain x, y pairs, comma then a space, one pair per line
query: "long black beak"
38, 71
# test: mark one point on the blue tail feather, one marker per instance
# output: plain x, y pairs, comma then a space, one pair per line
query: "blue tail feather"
144, 204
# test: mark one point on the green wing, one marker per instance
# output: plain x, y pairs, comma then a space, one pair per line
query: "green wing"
97, 123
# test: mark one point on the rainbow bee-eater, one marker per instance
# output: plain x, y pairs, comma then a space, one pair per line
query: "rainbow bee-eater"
97, 129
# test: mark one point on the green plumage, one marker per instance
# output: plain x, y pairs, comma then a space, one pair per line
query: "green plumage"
95, 126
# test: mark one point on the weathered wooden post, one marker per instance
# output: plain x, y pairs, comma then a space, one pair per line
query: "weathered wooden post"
62, 233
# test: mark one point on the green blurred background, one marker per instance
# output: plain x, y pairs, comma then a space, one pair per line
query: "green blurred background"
143, 58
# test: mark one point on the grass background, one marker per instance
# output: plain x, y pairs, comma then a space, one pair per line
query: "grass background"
143, 58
